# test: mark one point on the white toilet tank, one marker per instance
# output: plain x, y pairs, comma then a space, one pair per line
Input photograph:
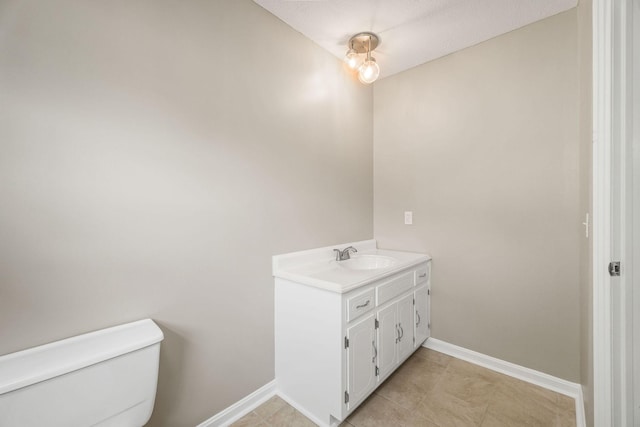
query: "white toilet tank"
106, 378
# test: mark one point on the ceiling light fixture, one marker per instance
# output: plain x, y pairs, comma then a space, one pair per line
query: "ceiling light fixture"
363, 43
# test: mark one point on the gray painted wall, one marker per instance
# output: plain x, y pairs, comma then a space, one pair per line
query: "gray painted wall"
484, 147
155, 155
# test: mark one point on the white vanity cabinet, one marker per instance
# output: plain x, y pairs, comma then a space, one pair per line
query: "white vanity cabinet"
360, 347
422, 297
395, 334
333, 349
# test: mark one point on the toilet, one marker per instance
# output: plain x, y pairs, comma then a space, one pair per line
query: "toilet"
105, 378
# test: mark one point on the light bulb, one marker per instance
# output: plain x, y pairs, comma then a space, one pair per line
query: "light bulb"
368, 71
352, 59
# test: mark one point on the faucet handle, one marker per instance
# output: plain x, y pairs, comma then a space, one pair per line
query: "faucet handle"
346, 252
342, 255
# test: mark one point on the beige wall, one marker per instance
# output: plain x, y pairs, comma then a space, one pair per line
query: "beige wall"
484, 147
154, 156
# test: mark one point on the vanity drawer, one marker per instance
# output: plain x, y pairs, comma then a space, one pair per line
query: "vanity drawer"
422, 275
359, 304
394, 287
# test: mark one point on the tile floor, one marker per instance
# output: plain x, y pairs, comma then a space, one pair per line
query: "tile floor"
432, 389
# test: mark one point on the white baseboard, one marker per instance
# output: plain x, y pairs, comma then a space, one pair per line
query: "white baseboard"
302, 410
525, 374
242, 407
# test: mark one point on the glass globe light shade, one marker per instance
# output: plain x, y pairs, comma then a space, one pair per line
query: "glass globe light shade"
368, 71
352, 59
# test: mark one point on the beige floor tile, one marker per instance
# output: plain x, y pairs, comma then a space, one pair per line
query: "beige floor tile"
491, 421
522, 408
515, 417
469, 385
566, 403
433, 356
250, 420
522, 391
565, 420
423, 373
447, 410
377, 411
413, 419
566, 411
270, 407
402, 391
478, 371
287, 416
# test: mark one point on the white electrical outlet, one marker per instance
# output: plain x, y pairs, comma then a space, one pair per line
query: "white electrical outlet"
408, 218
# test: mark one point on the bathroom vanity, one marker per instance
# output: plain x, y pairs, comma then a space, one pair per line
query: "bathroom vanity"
342, 327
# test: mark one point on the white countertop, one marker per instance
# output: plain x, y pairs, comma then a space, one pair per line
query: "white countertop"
318, 267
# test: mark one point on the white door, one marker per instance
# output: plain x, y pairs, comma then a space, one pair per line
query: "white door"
421, 315
387, 339
361, 375
405, 326
616, 206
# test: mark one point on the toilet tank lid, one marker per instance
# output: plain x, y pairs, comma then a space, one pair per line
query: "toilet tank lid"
41, 363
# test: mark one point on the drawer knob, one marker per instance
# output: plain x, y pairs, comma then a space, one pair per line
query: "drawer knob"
423, 275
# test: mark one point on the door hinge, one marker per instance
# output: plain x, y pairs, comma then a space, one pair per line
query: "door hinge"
428, 291
614, 268
377, 324
377, 372
414, 300
346, 397
429, 325
346, 342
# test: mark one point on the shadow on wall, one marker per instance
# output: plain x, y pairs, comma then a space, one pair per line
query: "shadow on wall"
171, 374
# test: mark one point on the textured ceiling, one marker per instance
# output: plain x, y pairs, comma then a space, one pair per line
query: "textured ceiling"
412, 31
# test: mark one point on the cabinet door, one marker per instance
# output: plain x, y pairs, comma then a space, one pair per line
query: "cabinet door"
361, 375
405, 327
387, 340
422, 315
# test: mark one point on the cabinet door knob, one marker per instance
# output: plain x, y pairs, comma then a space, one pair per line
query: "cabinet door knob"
375, 352
423, 275
418, 315
401, 332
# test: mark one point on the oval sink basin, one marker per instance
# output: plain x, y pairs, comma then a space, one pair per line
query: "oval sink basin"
367, 262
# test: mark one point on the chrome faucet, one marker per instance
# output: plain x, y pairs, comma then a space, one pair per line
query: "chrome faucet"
342, 255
